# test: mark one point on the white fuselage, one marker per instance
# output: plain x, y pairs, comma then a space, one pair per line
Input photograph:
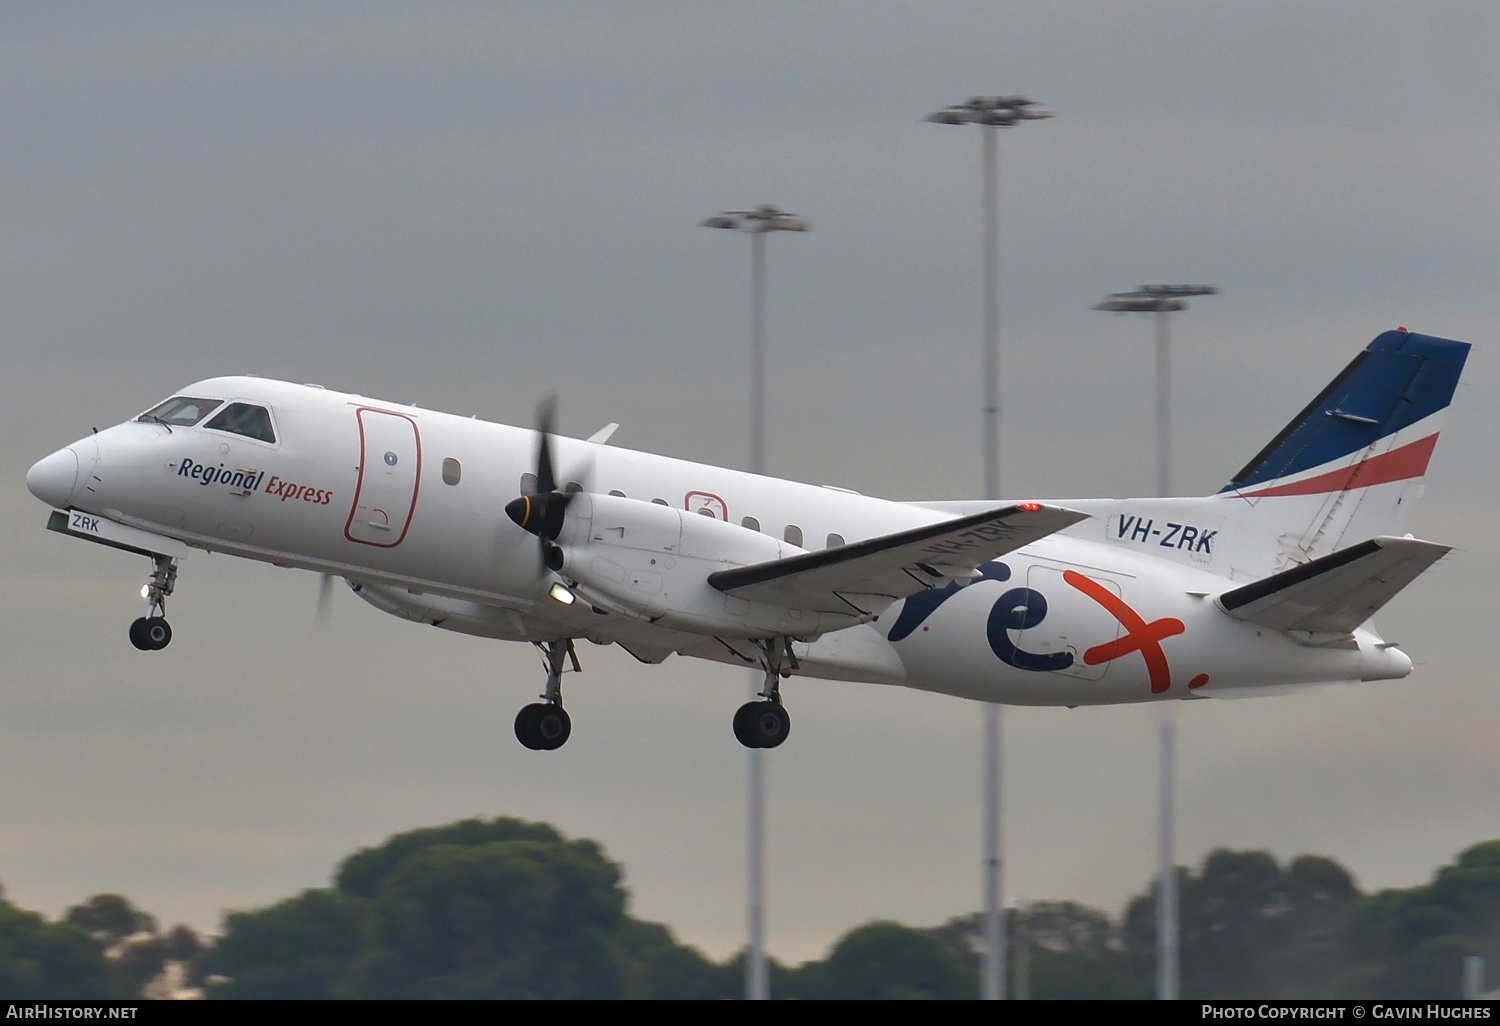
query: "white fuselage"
360, 488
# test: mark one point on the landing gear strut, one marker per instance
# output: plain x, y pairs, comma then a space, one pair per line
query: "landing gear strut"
152, 633
765, 724
544, 726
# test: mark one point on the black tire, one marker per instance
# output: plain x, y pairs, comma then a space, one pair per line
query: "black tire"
742, 732
138, 635
762, 724
526, 727
158, 633
552, 726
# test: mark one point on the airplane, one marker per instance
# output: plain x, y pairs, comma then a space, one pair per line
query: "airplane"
517, 534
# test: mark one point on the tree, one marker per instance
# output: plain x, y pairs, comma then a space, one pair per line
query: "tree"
143, 959
520, 919
1074, 952
885, 960
50, 960
1410, 943
498, 908
680, 972
507, 908
303, 947
362, 873
1250, 927
109, 917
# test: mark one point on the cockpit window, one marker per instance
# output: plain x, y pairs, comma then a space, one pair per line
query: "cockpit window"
244, 419
180, 411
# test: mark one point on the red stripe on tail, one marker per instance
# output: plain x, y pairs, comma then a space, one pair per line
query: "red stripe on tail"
1408, 461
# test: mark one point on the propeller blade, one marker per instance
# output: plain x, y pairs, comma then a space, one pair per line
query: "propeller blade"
325, 603
546, 480
541, 513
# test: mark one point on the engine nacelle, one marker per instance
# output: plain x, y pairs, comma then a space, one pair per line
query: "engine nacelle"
652, 562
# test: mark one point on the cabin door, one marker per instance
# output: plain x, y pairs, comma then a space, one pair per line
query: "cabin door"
390, 468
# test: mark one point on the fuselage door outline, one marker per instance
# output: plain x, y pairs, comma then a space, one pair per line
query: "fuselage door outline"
1076, 623
390, 475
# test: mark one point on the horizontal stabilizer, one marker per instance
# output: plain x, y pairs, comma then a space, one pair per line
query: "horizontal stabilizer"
1334, 593
877, 571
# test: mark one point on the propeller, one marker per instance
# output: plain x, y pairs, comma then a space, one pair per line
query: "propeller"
541, 513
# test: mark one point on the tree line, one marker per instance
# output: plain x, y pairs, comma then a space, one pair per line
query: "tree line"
505, 908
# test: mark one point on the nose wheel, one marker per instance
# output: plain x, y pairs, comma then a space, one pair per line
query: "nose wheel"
545, 726
152, 633
766, 723
763, 724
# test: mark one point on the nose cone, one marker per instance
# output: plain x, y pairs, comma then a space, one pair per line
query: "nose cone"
54, 479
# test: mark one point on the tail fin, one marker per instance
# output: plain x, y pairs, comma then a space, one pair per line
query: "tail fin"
1350, 465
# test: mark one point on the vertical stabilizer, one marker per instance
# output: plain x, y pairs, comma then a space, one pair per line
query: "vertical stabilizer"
1351, 464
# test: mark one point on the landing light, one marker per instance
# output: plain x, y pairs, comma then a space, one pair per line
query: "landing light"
145, 591
562, 594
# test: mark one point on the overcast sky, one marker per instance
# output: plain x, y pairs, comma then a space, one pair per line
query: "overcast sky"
466, 205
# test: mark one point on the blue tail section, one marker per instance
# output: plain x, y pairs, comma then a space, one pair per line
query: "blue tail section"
1399, 380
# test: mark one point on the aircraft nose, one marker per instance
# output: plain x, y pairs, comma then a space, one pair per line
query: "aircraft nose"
54, 478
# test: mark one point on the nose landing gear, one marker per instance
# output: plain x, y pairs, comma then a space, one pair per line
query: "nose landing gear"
544, 726
765, 724
152, 633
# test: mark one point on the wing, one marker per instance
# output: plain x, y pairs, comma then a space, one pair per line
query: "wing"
871, 574
1337, 592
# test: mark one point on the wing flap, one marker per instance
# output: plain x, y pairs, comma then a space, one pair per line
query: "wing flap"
1336, 592
873, 573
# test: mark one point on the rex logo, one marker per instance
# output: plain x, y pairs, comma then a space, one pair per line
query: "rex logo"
1023, 609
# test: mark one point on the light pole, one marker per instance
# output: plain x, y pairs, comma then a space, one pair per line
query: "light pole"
1163, 301
991, 113
757, 223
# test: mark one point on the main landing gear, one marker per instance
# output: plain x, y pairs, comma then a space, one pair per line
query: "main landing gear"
152, 633
765, 724
544, 726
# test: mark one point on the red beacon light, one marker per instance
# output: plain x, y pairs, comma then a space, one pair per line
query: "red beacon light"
1031, 507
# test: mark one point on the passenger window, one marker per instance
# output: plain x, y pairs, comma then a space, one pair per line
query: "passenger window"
658, 502
751, 523
244, 419
835, 540
704, 511
528, 484
793, 534
617, 493
452, 471
572, 487
180, 411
